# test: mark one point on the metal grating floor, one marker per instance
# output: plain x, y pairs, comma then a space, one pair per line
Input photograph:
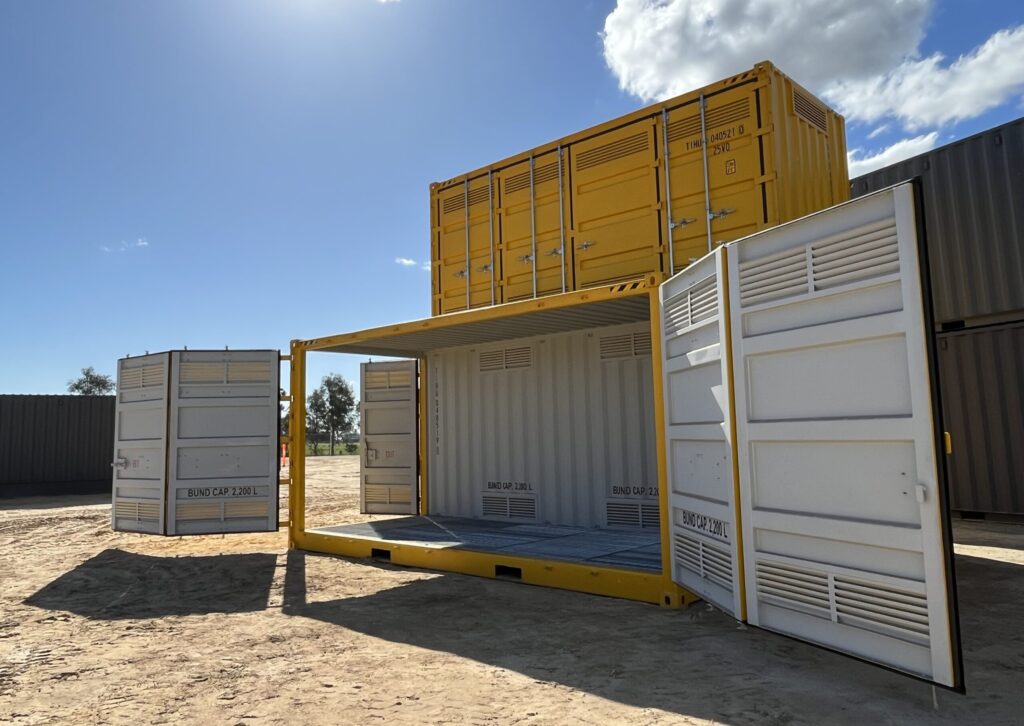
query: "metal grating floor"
635, 549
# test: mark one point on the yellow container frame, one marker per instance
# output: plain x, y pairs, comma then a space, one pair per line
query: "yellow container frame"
650, 587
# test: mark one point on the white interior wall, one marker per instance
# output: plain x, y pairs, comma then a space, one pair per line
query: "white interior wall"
556, 429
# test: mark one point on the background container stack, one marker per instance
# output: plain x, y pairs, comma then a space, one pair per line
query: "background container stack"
609, 205
973, 194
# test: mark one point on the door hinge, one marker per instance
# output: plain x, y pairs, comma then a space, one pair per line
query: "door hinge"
947, 442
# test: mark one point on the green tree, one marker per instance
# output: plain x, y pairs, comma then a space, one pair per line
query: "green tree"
341, 406
317, 418
91, 383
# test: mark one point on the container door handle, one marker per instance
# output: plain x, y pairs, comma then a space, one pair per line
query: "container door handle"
554, 252
119, 463
586, 245
526, 258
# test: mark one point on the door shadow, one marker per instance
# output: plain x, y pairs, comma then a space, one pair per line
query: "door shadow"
116, 585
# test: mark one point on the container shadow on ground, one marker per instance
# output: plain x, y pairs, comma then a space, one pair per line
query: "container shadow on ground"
695, 662
677, 660
118, 585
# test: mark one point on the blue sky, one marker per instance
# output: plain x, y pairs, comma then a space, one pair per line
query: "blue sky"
244, 173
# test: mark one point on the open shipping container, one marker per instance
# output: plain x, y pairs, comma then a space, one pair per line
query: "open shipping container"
645, 193
760, 431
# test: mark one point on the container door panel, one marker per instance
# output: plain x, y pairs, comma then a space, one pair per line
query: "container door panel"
698, 429
457, 278
389, 474
517, 228
844, 515
734, 167
615, 206
140, 444
224, 433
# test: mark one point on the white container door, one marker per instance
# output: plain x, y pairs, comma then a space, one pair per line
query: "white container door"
224, 434
140, 444
845, 534
389, 476
698, 429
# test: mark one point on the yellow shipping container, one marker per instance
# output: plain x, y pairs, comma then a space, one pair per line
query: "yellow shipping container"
608, 204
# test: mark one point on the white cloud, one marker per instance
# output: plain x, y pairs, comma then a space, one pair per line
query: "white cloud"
125, 245
142, 242
405, 262
879, 131
903, 149
425, 266
926, 93
863, 58
661, 48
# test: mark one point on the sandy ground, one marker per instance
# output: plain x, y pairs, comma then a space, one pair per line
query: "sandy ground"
99, 627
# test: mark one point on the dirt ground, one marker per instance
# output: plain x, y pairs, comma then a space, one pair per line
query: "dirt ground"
99, 627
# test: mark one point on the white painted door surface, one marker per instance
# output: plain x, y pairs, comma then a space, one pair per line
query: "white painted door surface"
389, 475
844, 534
698, 428
140, 444
224, 434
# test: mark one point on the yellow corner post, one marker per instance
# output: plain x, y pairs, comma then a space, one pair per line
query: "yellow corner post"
297, 433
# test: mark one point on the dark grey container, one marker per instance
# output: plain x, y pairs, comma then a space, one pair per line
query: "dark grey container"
981, 379
973, 192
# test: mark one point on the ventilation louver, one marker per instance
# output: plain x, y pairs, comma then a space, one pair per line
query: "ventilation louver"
145, 376
632, 514
613, 150
506, 359
809, 110
507, 507
627, 345
692, 306
521, 180
723, 115
710, 561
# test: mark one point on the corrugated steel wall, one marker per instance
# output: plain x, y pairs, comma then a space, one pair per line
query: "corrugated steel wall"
974, 221
981, 375
565, 421
46, 439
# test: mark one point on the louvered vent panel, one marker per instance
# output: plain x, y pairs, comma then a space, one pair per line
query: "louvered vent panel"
477, 195
650, 516
142, 377
249, 372
522, 508
611, 151
375, 494
521, 357
454, 203
809, 110
189, 511
712, 562
494, 506
246, 509
692, 306
873, 252
399, 495
492, 360
616, 346
622, 514
642, 343
139, 511
883, 609
792, 587
521, 180
713, 118
399, 378
774, 277
201, 372
375, 380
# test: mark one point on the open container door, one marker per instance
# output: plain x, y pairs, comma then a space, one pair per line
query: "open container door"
845, 528
140, 444
388, 439
224, 441
698, 431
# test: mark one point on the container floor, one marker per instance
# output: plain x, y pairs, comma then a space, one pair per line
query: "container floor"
638, 549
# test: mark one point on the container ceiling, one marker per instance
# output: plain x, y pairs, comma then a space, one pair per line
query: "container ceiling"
507, 322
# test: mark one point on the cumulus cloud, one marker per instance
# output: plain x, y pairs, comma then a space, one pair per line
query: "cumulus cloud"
405, 261
125, 245
903, 149
862, 57
661, 48
928, 93
878, 131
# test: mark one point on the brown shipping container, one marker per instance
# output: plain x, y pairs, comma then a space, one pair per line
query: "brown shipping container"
973, 193
981, 379
592, 208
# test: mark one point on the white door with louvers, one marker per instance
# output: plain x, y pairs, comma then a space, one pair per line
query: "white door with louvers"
698, 432
845, 534
140, 444
389, 433
224, 433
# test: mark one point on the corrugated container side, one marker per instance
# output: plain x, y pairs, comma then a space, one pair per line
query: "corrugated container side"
981, 376
558, 426
774, 153
973, 194
50, 439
